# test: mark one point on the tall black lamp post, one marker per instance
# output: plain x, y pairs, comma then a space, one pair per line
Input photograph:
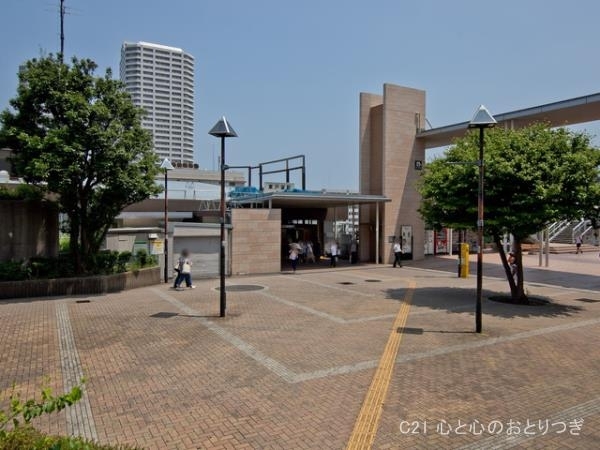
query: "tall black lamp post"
482, 119
166, 166
222, 130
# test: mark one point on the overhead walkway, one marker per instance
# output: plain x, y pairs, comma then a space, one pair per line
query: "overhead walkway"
566, 112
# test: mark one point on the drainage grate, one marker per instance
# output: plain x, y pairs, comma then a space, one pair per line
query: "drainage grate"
83, 301
373, 281
164, 315
242, 288
587, 300
346, 282
409, 330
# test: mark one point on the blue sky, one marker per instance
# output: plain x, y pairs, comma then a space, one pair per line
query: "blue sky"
288, 74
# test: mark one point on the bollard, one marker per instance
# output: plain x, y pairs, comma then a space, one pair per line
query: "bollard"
463, 260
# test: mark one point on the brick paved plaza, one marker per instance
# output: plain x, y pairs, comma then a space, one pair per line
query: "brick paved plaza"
296, 357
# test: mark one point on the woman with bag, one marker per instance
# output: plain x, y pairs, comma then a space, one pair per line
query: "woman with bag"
184, 270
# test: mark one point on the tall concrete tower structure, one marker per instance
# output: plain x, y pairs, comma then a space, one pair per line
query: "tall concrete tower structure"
391, 158
160, 79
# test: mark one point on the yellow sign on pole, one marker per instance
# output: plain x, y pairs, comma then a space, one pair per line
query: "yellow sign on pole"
157, 247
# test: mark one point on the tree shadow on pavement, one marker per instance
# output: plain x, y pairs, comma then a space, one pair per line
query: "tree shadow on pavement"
461, 300
532, 275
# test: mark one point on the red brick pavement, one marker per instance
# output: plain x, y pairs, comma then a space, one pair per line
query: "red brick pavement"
290, 365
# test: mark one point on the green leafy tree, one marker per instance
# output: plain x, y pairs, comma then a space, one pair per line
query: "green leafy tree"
533, 177
80, 136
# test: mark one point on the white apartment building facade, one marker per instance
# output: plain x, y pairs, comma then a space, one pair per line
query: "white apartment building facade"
160, 80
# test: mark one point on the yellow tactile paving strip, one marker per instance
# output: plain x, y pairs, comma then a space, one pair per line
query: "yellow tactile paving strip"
365, 427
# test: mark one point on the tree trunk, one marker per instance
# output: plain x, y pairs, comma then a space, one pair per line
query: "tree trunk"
97, 239
519, 296
74, 247
515, 281
84, 225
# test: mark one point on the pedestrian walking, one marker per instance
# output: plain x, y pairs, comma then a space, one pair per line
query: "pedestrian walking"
293, 255
334, 254
578, 242
184, 270
397, 254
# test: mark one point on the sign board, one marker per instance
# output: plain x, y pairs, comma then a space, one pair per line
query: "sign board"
157, 247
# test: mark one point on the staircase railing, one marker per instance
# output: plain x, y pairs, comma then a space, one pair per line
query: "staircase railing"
556, 228
580, 229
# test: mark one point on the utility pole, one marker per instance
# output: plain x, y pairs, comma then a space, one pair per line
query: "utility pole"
62, 30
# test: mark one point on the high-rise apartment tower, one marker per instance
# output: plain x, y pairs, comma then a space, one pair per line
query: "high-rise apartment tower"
160, 79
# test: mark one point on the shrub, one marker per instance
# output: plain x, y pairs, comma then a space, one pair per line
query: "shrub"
21, 192
64, 242
105, 262
13, 271
142, 257
42, 268
20, 412
122, 261
27, 437
22, 435
37, 268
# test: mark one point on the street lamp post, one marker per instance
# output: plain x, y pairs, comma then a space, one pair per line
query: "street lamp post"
222, 130
482, 119
166, 166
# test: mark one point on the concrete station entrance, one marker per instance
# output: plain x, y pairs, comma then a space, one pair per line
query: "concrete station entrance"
305, 216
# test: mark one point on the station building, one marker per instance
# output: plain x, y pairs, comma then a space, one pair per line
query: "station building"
393, 140
260, 221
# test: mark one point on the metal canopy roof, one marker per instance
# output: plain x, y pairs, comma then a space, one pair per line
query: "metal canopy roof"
308, 199
301, 199
557, 114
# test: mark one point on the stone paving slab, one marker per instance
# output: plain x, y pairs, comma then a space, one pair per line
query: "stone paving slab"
290, 365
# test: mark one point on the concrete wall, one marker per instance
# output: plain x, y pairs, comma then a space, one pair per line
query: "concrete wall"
255, 241
370, 168
27, 229
388, 151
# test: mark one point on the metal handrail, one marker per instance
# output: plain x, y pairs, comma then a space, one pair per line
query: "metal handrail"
577, 229
553, 226
556, 228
